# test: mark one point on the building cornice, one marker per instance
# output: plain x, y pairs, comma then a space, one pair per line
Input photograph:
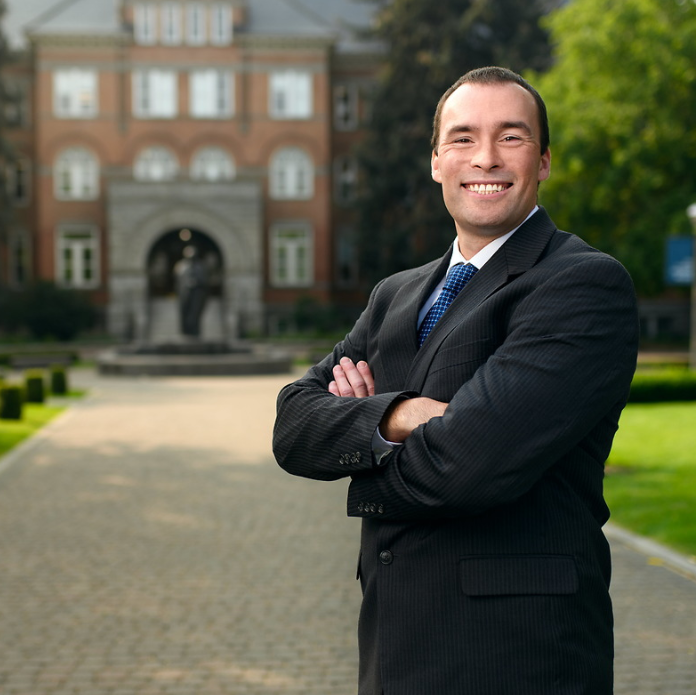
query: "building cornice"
67, 40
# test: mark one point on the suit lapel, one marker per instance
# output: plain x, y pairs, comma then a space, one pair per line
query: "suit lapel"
516, 256
398, 341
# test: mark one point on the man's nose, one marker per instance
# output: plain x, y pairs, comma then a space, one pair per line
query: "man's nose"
486, 156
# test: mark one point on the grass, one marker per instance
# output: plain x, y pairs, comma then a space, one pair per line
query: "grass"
34, 417
651, 473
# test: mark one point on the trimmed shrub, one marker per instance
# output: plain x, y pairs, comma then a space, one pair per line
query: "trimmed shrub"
34, 386
663, 385
10, 402
59, 380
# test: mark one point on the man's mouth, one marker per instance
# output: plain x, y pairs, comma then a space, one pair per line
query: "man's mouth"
486, 188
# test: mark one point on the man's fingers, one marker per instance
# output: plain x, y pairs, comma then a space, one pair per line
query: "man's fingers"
355, 378
366, 374
333, 388
343, 385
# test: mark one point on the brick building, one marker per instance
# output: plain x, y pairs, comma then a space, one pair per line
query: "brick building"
145, 127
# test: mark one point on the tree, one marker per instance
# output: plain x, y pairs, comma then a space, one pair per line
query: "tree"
621, 101
428, 46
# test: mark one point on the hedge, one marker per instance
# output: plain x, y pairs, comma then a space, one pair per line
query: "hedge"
11, 402
663, 385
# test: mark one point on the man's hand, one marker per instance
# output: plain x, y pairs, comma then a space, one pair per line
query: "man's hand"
352, 380
404, 416
355, 380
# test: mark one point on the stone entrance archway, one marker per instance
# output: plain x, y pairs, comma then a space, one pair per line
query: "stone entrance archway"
141, 216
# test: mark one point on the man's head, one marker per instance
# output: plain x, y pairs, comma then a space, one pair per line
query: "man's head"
489, 76
490, 152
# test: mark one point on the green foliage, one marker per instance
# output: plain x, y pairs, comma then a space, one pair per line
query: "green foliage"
623, 127
46, 311
663, 385
34, 386
651, 481
429, 46
59, 380
33, 418
11, 402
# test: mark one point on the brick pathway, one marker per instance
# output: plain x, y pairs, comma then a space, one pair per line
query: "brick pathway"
149, 545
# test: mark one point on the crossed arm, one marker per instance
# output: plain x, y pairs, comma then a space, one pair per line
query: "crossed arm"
401, 418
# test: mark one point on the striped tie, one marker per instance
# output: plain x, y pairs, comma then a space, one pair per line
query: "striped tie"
457, 277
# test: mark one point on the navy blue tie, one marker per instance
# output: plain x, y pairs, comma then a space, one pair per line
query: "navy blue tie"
457, 277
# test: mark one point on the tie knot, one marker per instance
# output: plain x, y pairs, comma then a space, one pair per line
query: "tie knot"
458, 276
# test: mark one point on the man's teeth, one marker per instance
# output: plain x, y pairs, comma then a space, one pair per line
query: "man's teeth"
485, 189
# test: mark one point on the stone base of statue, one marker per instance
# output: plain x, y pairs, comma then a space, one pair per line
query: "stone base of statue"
193, 357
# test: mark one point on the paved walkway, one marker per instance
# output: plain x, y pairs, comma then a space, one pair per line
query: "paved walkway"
149, 545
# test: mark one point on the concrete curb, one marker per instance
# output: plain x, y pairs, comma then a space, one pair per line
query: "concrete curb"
653, 550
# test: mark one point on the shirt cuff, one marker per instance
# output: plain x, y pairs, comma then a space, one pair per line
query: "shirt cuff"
381, 448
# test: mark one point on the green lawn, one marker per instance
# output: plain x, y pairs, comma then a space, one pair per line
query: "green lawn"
651, 473
34, 416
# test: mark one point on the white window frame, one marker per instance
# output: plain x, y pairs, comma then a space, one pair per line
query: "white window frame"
291, 175
78, 259
75, 93
291, 94
157, 160
18, 181
155, 93
76, 175
346, 107
211, 93
221, 30
170, 20
196, 24
212, 164
292, 259
145, 23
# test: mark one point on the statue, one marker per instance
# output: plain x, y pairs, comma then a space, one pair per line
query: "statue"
191, 275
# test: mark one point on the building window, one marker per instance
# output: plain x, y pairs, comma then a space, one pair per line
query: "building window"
19, 258
18, 181
292, 175
211, 93
212, 164
16, 105
347, 257
77, 256
171, 23
345, 107
155, 93
76, 175
292, 262
145, 21
196, 34
290, 94
75, 93
220, 24
156, 164
345, 180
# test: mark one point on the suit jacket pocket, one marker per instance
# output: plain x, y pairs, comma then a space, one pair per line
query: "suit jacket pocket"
471, 354
509, 575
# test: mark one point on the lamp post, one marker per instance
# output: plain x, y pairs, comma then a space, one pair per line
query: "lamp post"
691, 212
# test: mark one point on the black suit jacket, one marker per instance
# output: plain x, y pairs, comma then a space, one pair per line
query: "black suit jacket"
483, 564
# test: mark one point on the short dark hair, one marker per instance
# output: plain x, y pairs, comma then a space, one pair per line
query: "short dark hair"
493, 75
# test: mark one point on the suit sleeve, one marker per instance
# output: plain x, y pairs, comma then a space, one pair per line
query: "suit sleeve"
322, 436
564, 366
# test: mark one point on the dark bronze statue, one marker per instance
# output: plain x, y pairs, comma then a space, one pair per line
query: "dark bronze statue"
191, 275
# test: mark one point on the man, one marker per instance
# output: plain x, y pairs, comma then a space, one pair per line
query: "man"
477, 458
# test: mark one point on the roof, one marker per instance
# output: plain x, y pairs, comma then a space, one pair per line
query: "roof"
292, 18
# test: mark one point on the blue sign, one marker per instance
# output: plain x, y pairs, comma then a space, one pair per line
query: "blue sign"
679, 268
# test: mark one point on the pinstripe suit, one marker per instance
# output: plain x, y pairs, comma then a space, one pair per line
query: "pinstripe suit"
483, 564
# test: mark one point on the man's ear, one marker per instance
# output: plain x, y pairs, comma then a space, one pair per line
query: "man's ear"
545, 166
435, 167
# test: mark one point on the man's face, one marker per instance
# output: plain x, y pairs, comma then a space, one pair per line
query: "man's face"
489, 160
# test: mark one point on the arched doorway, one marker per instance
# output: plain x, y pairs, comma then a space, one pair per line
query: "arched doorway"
168, 251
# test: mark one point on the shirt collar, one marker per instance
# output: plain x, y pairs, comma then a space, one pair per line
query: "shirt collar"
486, 253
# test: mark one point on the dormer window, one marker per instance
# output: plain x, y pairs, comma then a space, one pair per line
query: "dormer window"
220, 24
145, 23
171, 23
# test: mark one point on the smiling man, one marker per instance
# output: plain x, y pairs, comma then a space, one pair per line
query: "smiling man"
473, 406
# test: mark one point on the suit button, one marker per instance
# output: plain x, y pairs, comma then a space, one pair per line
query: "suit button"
386, 558
380, 509
361, 506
